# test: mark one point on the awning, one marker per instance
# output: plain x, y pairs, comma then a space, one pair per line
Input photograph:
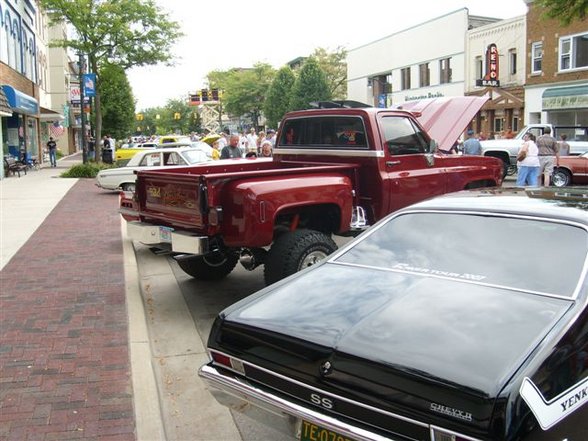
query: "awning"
571, 97
21, 102
5, 109
49, 115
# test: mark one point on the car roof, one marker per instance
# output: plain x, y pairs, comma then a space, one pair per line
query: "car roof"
570, 204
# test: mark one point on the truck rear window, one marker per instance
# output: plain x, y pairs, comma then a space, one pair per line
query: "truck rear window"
325, 132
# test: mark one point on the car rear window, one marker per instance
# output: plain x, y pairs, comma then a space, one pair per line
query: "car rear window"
526, 254
324, 132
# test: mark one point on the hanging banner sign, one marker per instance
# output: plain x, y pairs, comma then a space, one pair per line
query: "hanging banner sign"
89, 84
491, 77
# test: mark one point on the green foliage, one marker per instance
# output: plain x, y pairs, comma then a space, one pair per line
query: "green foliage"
118, 116
244, 90
335, 68
277, 102
566, 11
189, 120
311, 85
88, 170
126, 33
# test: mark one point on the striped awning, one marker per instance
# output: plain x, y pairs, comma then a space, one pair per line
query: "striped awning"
5, 109
570, 97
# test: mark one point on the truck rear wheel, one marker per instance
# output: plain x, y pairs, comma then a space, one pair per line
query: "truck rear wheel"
294, 251
212, 266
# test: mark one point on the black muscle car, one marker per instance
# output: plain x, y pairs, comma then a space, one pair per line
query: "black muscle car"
460, 318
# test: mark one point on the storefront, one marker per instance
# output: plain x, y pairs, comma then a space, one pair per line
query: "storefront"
22, 129
5, 113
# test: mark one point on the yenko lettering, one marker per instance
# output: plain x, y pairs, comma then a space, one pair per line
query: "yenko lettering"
578, 398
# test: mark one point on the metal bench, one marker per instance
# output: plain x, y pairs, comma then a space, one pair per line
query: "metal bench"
11, 165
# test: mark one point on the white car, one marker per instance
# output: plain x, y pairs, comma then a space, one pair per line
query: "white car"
123, 178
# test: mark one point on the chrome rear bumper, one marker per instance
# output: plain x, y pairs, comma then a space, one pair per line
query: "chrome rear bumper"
272, 410
180, 241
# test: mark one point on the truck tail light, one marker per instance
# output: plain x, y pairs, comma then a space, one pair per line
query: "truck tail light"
215, 216
228, 362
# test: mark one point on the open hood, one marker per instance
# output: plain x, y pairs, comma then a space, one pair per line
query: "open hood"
445, 119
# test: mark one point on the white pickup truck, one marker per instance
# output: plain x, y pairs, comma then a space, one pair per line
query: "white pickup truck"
506, 149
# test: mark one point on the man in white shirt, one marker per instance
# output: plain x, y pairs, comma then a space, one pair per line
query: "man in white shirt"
252, 140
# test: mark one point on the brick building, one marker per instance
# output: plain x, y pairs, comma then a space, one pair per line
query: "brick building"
556, 84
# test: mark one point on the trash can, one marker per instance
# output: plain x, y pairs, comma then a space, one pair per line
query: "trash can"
107, 156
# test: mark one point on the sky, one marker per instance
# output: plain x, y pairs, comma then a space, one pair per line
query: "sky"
223, 34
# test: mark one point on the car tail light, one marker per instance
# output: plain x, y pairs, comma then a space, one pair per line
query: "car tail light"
228, 362
438, 434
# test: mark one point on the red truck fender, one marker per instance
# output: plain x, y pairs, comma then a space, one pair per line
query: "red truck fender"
260, 206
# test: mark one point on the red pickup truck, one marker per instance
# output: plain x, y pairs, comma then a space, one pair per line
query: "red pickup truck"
335, 171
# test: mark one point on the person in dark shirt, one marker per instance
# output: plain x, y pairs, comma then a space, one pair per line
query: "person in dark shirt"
52, 147
232, 150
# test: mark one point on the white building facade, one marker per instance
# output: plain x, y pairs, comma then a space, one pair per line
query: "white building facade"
406, 66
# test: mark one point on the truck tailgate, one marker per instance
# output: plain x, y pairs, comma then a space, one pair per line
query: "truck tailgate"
180, 198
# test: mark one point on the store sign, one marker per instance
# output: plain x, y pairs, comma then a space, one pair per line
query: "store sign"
74, 95
491, 77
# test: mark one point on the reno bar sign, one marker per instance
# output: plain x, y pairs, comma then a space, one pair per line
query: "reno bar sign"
491, 77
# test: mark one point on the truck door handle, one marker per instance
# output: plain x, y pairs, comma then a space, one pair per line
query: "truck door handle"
391, 163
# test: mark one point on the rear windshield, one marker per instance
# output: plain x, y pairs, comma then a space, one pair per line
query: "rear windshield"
325, 132
533, 255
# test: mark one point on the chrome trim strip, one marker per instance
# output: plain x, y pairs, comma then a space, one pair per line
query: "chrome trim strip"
329, 152
323, 392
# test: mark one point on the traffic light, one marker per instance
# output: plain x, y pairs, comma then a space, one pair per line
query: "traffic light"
177, 115
215, 94
204, 94
139, 117
194, 99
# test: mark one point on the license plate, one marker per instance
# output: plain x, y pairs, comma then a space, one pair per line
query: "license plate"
312, 432
165, 234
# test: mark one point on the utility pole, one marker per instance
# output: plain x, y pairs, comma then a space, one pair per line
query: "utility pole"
83, 114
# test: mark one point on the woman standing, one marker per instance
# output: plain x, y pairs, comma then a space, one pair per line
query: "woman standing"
528, 163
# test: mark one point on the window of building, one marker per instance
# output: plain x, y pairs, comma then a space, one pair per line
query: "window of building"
512, 61
424, 75
573, 52
479, 68
498, 125
405, 78
445, 71
536, 57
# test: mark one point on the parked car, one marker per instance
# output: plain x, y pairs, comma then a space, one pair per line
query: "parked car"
571, 170
126, 153
123, 178
443, 322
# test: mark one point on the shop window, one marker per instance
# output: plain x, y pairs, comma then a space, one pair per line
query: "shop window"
498, 125
479, 68
512, 61
405, 78
424, 75
445, 71
536, 57
573, 52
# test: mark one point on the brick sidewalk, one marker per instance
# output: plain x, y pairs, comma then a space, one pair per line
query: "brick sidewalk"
64, 354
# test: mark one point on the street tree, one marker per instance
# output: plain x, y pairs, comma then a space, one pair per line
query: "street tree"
118, 116
566, 11
334, 66
277, 101
310, 85
243, 90
128, 33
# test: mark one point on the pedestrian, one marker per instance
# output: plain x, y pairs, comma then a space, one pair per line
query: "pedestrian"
105, 143
471, 146
528, 163
252, 140
260, 139
52, 147
271, 136
266, 149
564, 147
242, 141
216, 149
548, 155
232, 150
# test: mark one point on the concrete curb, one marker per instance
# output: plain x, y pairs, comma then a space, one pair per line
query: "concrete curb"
146, 399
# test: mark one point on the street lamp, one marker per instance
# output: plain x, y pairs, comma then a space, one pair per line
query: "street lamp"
82, 113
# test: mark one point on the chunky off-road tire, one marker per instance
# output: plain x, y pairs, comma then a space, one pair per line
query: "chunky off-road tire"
294, 251
213, 266
561, 177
